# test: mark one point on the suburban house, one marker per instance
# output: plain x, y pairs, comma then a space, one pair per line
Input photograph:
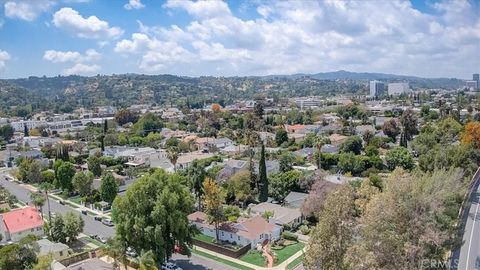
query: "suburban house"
330, 149
253, 231
185, 160
59, 251
281, 215
232, 166
18, 223
307, 152
219, 143
234, 149
337, 139
295, 199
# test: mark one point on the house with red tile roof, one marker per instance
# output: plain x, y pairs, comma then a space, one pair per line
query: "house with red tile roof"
253, 231
18, 223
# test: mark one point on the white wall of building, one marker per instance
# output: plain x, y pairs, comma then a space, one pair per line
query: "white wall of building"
398, 88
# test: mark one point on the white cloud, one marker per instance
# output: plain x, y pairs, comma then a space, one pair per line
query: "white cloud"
83, 63
134, 4
313, 36
4, 57
156, 54
81, 69
27, 10
71, 56
201, 8
92, 27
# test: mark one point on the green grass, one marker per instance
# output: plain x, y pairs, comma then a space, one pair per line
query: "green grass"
295, 262
221, 260
93, 241
288, 251
204, 238
71, 204
76, 199
254, 257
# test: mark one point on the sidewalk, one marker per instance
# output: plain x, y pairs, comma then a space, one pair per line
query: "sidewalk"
281, 266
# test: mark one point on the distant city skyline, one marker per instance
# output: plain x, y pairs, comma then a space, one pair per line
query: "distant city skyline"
237, 38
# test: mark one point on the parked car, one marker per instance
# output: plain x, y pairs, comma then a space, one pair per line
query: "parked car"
170, 266
102, 239
131, 252
84, 212
61, 202
107, 222
97, 218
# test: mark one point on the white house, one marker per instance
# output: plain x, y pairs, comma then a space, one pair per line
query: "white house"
291, 217
254, 230
220, 143
18, 223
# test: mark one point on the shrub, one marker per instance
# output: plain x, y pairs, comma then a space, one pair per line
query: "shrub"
289, 236
304, 229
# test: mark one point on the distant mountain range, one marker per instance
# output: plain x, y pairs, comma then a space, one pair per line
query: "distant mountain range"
343, 74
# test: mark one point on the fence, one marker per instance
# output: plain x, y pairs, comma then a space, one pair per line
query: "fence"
222, 250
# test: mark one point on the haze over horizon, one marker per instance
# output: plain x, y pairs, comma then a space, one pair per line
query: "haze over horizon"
194, 38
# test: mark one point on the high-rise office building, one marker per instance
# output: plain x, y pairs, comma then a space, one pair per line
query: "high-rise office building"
398, 88
476, 77
377, 88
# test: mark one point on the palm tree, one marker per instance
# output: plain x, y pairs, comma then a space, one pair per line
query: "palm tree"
147, 261
38, 201
46, 187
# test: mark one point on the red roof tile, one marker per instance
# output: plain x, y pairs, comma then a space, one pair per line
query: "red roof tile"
22, 219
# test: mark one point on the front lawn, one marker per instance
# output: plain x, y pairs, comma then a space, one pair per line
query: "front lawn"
295, 262
254, 257
288, 252
204, 238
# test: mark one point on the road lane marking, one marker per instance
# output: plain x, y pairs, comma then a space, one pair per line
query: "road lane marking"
471, 235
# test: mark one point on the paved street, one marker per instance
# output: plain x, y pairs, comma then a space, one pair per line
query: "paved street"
91, 226
196, 262
468, 257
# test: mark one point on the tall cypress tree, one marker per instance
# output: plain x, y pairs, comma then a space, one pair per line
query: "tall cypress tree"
262, 181
25, 130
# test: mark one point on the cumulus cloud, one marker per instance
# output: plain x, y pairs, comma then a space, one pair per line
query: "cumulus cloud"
4, 57
134, 4
80, 69
157, 54
83, 63
313, 36
201, 8
27, 10
71, 56
92, 27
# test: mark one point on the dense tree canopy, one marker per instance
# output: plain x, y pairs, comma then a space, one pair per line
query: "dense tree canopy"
152, 215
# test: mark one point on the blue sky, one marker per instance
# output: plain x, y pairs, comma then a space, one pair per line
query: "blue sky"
194, 38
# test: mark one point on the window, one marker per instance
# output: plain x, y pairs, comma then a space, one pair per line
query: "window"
222, 233
231, 236
238, 238
261, 235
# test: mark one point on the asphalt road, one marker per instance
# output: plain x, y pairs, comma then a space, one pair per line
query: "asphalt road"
196, 262
468, 256
91, 226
